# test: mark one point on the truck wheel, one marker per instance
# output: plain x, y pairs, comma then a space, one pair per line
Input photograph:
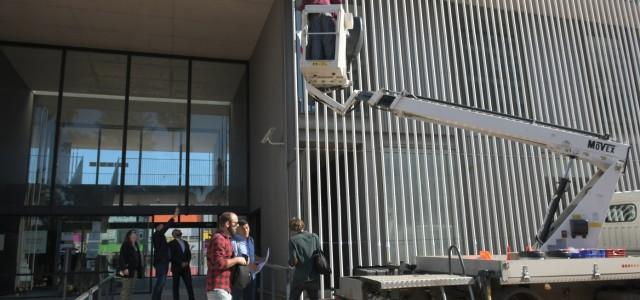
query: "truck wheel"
518, 293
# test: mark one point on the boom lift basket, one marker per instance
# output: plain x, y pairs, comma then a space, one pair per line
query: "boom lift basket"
331, 70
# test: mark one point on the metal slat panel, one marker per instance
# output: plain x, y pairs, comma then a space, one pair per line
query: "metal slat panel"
492, 148
438, 161
376, 202
611, 76
631, 36
307, 181
508, 224
464, 179
550, 102
454, 184
365, 172
481, 200
347, 199
547, 116
399, 187
560, 98
469, 247
536, 112
390, 208
595, 123
404, 188
629, 91
513, 199
327, 163
296, 122
421, 248
412, 244
318, 203
383, 172
574, 99
426, 90
338, 175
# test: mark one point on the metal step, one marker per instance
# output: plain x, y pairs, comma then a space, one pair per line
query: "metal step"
391, 282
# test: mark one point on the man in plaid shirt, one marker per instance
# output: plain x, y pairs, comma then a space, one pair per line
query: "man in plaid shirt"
220, 258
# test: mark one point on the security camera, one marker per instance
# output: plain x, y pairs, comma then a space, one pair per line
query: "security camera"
267, 137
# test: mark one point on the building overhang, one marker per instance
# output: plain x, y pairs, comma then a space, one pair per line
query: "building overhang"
225, 29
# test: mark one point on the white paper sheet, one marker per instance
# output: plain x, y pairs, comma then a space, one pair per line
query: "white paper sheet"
263, 262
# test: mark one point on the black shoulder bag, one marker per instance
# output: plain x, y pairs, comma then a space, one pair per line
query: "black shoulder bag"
240, 277
320, 263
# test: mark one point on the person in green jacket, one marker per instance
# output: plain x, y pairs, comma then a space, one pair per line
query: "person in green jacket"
302, 245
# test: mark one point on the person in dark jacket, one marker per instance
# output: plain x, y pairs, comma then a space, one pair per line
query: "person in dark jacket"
162, 255
131, 263
180, 259
302, 245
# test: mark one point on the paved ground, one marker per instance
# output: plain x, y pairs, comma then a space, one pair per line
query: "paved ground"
142, 291
199, 290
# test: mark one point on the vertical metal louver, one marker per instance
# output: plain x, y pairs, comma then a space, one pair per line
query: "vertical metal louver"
380, 189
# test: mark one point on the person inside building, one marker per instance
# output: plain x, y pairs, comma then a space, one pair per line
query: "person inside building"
321, 46
180, 264
244, 245
220, 258
302, 245
162, 254
131, 263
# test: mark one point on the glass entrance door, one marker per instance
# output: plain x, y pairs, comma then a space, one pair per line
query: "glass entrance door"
196, 231
70, 254
89, 249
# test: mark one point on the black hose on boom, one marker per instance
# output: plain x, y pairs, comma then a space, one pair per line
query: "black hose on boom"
543, 235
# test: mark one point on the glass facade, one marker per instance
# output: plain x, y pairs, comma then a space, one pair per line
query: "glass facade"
93, 136
89, 247
122, 129
91, 125
28, 148
156, 137
209, 158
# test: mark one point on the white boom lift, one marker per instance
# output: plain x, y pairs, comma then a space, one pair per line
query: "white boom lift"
578, 226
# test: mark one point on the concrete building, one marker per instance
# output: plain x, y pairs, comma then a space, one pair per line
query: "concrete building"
116, 111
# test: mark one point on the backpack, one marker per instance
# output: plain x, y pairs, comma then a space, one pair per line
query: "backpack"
320, 262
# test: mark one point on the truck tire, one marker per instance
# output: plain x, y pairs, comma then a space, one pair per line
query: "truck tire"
517, 293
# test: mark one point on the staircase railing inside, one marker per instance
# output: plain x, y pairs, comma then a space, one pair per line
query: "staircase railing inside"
102, 290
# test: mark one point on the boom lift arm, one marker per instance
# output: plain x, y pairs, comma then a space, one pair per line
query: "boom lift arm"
580, 223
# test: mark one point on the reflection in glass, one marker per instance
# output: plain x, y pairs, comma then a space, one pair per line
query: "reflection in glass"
216, 87
156, 137
43, 126
29, 93
90, 147
89, 153
209, 161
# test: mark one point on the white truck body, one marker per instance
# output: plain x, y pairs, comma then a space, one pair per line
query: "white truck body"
622, 226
